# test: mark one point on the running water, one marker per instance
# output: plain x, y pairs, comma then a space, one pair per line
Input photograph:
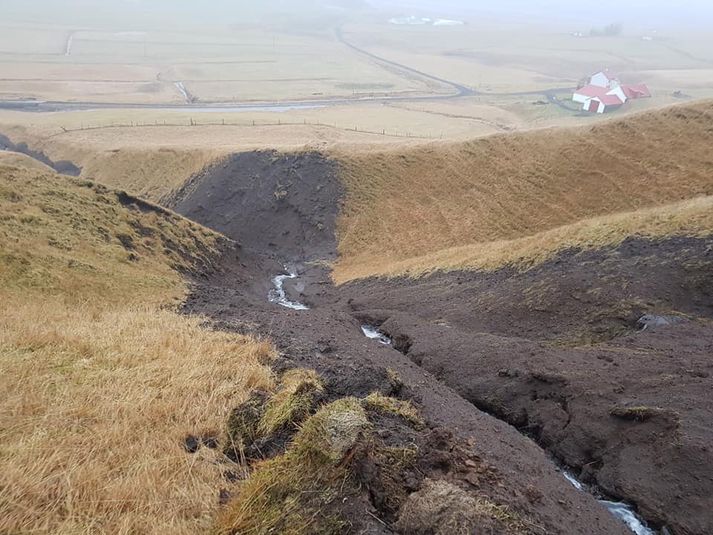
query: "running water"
277, 294
621, 510
374, 334
183, 90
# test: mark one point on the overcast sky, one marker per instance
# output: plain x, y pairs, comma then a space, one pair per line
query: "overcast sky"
632, 13
640, 12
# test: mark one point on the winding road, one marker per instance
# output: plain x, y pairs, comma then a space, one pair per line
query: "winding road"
459, 91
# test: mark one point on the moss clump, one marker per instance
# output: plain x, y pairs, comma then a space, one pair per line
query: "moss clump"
296, 493
404, 409
292, 402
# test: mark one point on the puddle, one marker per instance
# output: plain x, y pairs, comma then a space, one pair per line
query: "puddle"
277, 294
621, 510
374, 334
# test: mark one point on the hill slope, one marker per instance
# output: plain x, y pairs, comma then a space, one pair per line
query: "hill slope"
510, 198
101, 379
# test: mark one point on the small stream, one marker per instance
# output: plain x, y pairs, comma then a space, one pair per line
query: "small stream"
621, 510
277, 294
373, 333
183, 90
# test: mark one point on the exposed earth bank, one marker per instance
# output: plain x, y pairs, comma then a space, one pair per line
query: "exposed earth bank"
64, 167
555, 352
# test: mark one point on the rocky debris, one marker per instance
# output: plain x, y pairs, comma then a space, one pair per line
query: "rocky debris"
652, 321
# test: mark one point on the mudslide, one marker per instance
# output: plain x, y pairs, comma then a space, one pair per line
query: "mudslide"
282, 210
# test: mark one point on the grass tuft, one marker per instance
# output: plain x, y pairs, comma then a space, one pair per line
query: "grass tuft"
404, 409
292, 402
641, 413
295, 492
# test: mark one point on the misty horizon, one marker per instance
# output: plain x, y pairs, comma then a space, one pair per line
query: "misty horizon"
637, 14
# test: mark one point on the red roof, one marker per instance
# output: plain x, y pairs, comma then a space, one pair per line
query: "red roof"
636, 91
592, 91
610, 100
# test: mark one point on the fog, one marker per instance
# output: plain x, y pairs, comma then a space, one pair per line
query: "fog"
633, 13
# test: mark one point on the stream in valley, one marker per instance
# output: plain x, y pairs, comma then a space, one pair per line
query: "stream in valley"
278, 295
621, 510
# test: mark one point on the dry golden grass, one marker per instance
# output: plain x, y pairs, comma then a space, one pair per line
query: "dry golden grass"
514, 198
121, 158
16, 159
687, 218
101, 379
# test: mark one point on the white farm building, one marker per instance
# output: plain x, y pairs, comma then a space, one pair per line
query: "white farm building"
604, 92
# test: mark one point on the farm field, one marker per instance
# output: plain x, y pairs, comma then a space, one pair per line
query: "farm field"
512, 68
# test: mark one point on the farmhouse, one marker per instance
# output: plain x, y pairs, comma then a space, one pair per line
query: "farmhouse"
603, 92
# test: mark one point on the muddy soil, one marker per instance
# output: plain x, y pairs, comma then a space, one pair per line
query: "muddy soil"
64, 167
275, 205
557, 352
328, 338
282, 211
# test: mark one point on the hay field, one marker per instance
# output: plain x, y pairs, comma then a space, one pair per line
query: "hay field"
519, 198
214, 64
102, 380
255, 59
514, 57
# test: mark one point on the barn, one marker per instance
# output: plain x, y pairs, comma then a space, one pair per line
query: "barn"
603, 104
604, 92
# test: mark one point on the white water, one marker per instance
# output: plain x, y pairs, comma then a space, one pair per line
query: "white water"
621, 510
182, 89
277, 294
371, 332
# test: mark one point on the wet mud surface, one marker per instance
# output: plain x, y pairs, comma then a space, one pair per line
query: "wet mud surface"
559, 353
517, 367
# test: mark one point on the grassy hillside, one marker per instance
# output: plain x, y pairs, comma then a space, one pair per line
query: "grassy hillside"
16, 159
101, 379
520, 198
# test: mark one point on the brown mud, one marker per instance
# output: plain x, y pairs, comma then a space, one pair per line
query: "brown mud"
554, 352
559, 352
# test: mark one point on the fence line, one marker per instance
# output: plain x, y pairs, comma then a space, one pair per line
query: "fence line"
223, 122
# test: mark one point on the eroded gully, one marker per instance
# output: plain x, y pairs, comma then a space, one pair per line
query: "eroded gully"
623, 511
